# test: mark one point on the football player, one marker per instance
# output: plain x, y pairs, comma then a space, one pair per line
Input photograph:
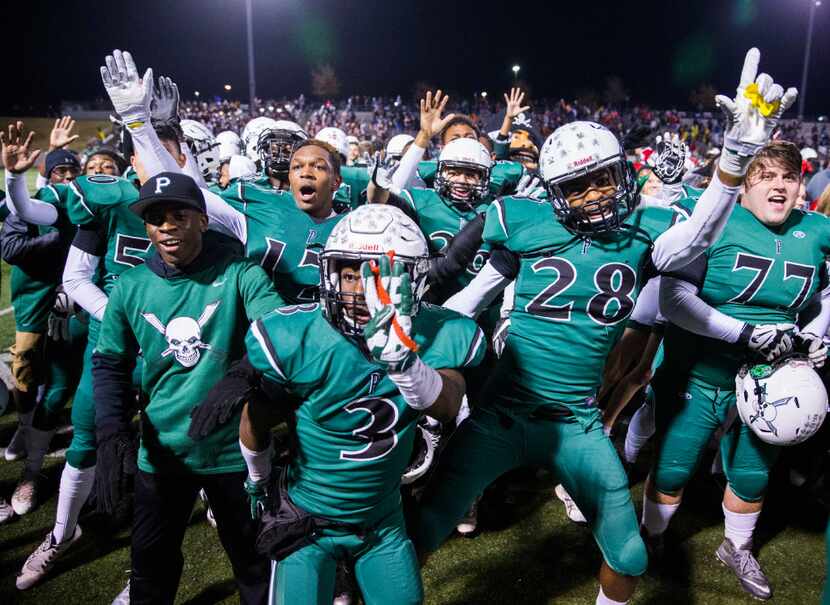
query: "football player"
274, 147
355, 179
186, 309
741, 298
351, 361
577, 281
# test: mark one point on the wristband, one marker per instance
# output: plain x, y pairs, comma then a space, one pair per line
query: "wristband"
258, 463
419, 385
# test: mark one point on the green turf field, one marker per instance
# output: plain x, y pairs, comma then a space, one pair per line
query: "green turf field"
529, 554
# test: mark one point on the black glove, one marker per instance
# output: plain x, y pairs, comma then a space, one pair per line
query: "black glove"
240, 383
116, 466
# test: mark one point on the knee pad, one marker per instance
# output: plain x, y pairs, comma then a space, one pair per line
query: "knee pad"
749, 486
671, 478
631, 559
82, 450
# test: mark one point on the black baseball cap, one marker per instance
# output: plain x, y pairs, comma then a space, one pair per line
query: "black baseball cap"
169, 188
61, 157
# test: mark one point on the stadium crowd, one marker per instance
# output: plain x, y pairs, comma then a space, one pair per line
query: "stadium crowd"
291, 312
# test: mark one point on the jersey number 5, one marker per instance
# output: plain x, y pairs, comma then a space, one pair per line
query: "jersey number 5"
124, 244
615, 283
378, 433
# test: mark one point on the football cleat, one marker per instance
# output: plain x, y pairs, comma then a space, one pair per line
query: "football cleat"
16, 449
426, 444
468, 525
6, 511
24, 498
123, 597
43, 559
208, 512
571, 509
746, 567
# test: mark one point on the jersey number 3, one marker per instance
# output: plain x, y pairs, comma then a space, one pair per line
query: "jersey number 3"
378, 433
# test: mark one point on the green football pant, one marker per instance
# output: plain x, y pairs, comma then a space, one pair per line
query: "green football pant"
81, 453
492, 441
385, 567
826, 599
687, 420
64, 360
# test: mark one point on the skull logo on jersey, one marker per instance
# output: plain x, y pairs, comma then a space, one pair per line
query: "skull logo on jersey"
184, 335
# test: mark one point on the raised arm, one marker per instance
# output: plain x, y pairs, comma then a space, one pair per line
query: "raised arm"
751, 118
17, 159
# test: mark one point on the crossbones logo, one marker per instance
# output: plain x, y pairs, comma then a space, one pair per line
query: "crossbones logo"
768, 412
184, 335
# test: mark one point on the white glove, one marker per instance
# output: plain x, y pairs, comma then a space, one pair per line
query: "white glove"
500, 336
381, 174
130, 95
813, 346
530, 186
388, 294
164, 108
58, 321
751, 116
669, 158
771, 341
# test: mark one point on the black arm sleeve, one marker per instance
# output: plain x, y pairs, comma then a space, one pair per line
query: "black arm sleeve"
21, 245
460, 252
401, 205
694, 272
113, 391
505, 262
89, 239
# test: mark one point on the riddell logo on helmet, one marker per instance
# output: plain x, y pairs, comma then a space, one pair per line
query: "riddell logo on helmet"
368, 247
582, 162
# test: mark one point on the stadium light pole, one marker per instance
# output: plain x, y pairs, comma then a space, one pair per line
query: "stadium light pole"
251, 77
802, 94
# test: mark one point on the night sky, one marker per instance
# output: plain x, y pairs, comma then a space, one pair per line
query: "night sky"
661, 50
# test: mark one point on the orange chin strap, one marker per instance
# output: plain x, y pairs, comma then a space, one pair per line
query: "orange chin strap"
387, 300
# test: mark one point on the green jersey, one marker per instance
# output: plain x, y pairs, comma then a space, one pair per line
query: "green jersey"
190, 327
754, 273
572, 297
504, 176
283, 239
32, 296
354, 429
355, 179
102, 203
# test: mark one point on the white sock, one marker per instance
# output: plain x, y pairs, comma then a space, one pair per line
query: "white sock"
603, 600
640, 429
37, 444
76, 483
739, 527
656, 516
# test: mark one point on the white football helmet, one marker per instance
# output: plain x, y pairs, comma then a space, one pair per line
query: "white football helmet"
466, 154
366, 233
229, 144
574, 151
241, 167
203, 145
276, 144
336, 138
251, 132
784, 403
396, 145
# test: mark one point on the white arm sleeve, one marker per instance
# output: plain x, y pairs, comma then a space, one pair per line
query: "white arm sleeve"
191, 167
31, 211
154, 157
647, 308
479, 293
686, 240
77, 282
405, 174
821, 322
41, 181
682, 306
219, 211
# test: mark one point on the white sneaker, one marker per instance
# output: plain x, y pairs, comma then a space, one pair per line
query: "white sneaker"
41, 561
6, 511
16, 449
571, 509
208, 512
24, 498
123, 597
469, 522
